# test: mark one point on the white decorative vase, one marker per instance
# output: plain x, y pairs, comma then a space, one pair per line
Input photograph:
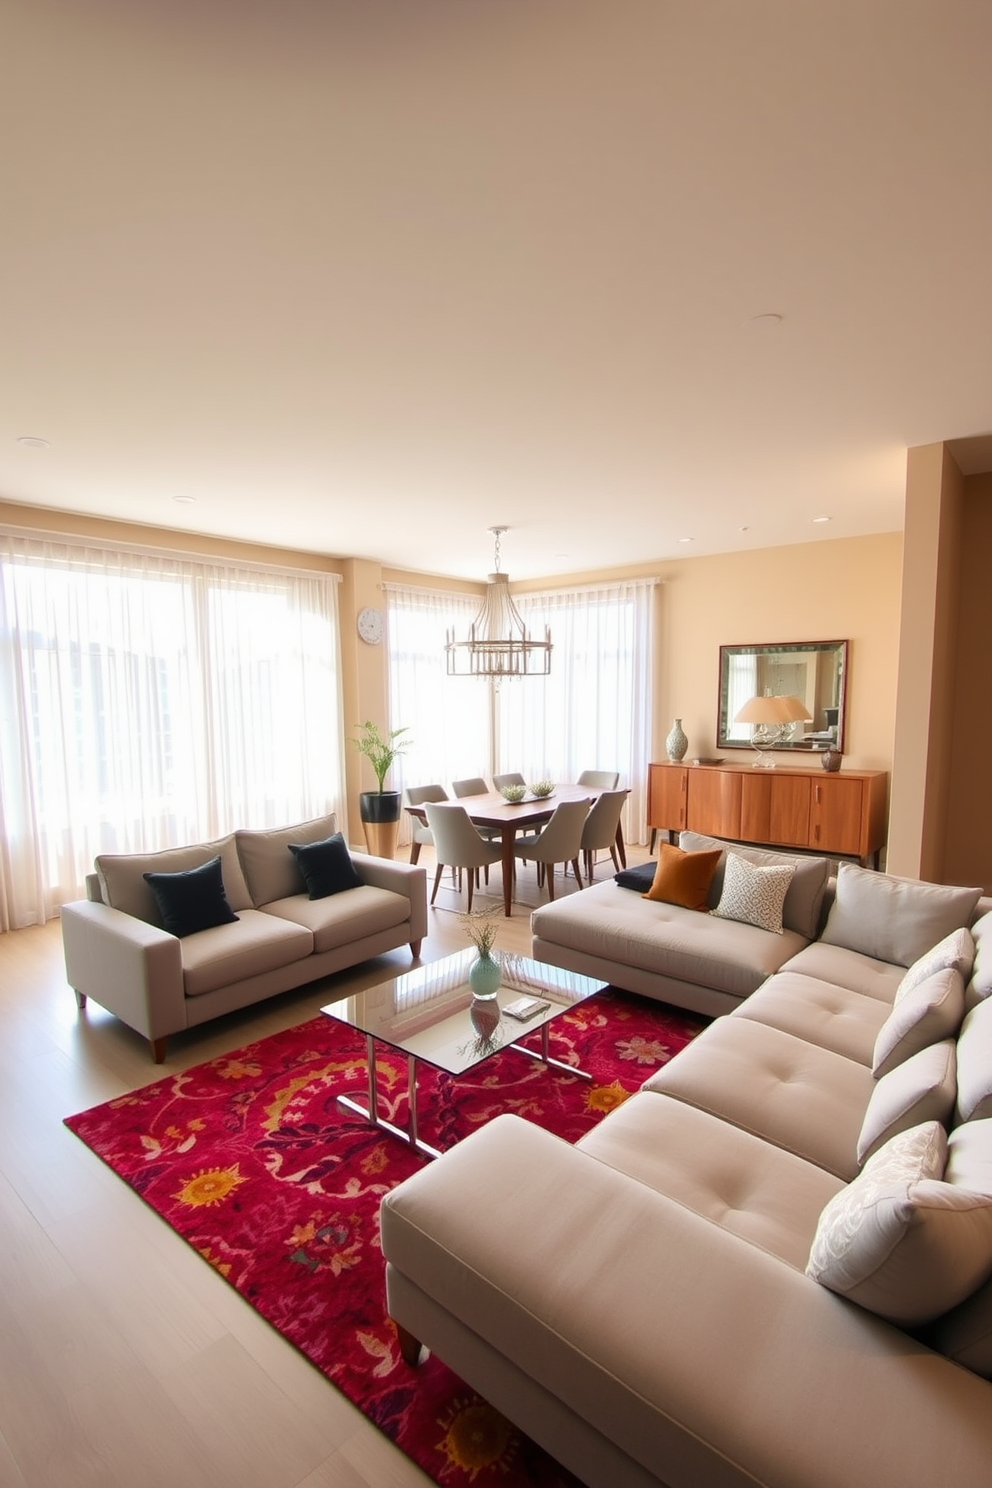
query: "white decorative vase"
676, 743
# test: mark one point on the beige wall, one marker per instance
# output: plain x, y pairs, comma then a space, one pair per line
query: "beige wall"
823, 591
968, 816
934, 497
848, 589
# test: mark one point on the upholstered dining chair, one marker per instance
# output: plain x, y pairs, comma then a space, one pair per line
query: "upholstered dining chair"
512, 777
474, 786
600, 779
559, 842
599, 830
416, 795
457, 844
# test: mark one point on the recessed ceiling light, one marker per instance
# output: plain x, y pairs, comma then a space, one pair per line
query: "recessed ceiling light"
687, 539
765, 322
743, 529
185, 500
821, 519
34, 441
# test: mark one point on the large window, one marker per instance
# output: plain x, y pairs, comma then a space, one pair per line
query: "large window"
448, 718
592, 712
148, 700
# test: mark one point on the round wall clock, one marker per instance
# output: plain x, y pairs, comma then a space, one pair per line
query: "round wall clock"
370, 625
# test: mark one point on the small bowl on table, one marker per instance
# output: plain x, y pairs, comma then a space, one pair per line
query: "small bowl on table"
542, 788
513, 793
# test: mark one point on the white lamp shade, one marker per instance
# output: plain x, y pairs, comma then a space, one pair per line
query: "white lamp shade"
772, 710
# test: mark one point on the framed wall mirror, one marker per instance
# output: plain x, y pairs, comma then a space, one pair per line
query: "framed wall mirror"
813, 671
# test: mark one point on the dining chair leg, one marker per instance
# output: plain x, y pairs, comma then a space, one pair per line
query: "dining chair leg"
470, 880
549, 874
615, 856
415, 851
437, 881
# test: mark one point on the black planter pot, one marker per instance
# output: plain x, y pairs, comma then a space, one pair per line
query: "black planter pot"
380, 806
380, 812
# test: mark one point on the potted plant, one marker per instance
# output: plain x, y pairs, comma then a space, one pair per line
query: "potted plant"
380, 809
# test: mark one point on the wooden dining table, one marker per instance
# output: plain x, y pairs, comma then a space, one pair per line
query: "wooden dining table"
510, 818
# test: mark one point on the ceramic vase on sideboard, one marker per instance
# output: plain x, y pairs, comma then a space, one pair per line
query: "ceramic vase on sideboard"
676, 744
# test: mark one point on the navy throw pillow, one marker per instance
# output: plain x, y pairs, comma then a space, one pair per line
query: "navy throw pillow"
193, 900
326, 866
640, 878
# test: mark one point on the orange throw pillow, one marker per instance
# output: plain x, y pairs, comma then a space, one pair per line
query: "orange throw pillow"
683, 877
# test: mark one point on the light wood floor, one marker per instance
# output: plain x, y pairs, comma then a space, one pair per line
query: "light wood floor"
125, 1361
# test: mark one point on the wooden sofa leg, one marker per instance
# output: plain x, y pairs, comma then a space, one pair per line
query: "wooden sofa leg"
415, 949
80, 998
158, 1049
410, 1347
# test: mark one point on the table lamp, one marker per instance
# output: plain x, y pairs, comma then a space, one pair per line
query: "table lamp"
772, 718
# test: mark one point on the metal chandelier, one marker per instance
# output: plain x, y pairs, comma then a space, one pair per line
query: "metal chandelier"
499, 644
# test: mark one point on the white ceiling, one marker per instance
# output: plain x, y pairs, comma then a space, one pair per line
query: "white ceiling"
370, 276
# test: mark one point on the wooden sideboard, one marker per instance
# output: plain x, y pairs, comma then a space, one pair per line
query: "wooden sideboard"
843, 814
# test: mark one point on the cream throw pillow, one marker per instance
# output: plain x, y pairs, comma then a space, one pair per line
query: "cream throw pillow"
975, 1064
754, 895
922, 1088
898, 1240
956, 950
930, 1011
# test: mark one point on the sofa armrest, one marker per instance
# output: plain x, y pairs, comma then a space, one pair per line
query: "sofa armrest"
703, 1357
133, 969
402, 878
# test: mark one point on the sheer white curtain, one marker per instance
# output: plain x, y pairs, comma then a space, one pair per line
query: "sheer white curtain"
148, 700
594, 709
448, 717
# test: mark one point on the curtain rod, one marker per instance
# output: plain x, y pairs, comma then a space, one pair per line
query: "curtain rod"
74, 539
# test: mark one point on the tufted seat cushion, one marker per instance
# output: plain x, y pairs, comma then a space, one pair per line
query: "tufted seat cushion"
754, 1190
341, 919
807, 1100
258, 943
849, 969
819, 1012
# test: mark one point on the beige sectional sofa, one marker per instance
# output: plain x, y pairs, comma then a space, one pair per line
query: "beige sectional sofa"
772, 1264
118, 952
677, 955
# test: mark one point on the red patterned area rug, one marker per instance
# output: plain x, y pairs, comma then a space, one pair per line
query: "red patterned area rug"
252, 1161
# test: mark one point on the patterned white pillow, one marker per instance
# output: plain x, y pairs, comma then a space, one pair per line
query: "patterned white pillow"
754, 895
898, 1240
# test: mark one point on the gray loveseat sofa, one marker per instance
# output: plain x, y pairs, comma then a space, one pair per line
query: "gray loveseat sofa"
771, 1265
118, 952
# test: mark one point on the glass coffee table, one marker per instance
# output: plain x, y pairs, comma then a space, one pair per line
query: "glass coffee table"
430, 1014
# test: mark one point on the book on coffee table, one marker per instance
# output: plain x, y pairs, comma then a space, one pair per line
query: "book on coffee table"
525, 1008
